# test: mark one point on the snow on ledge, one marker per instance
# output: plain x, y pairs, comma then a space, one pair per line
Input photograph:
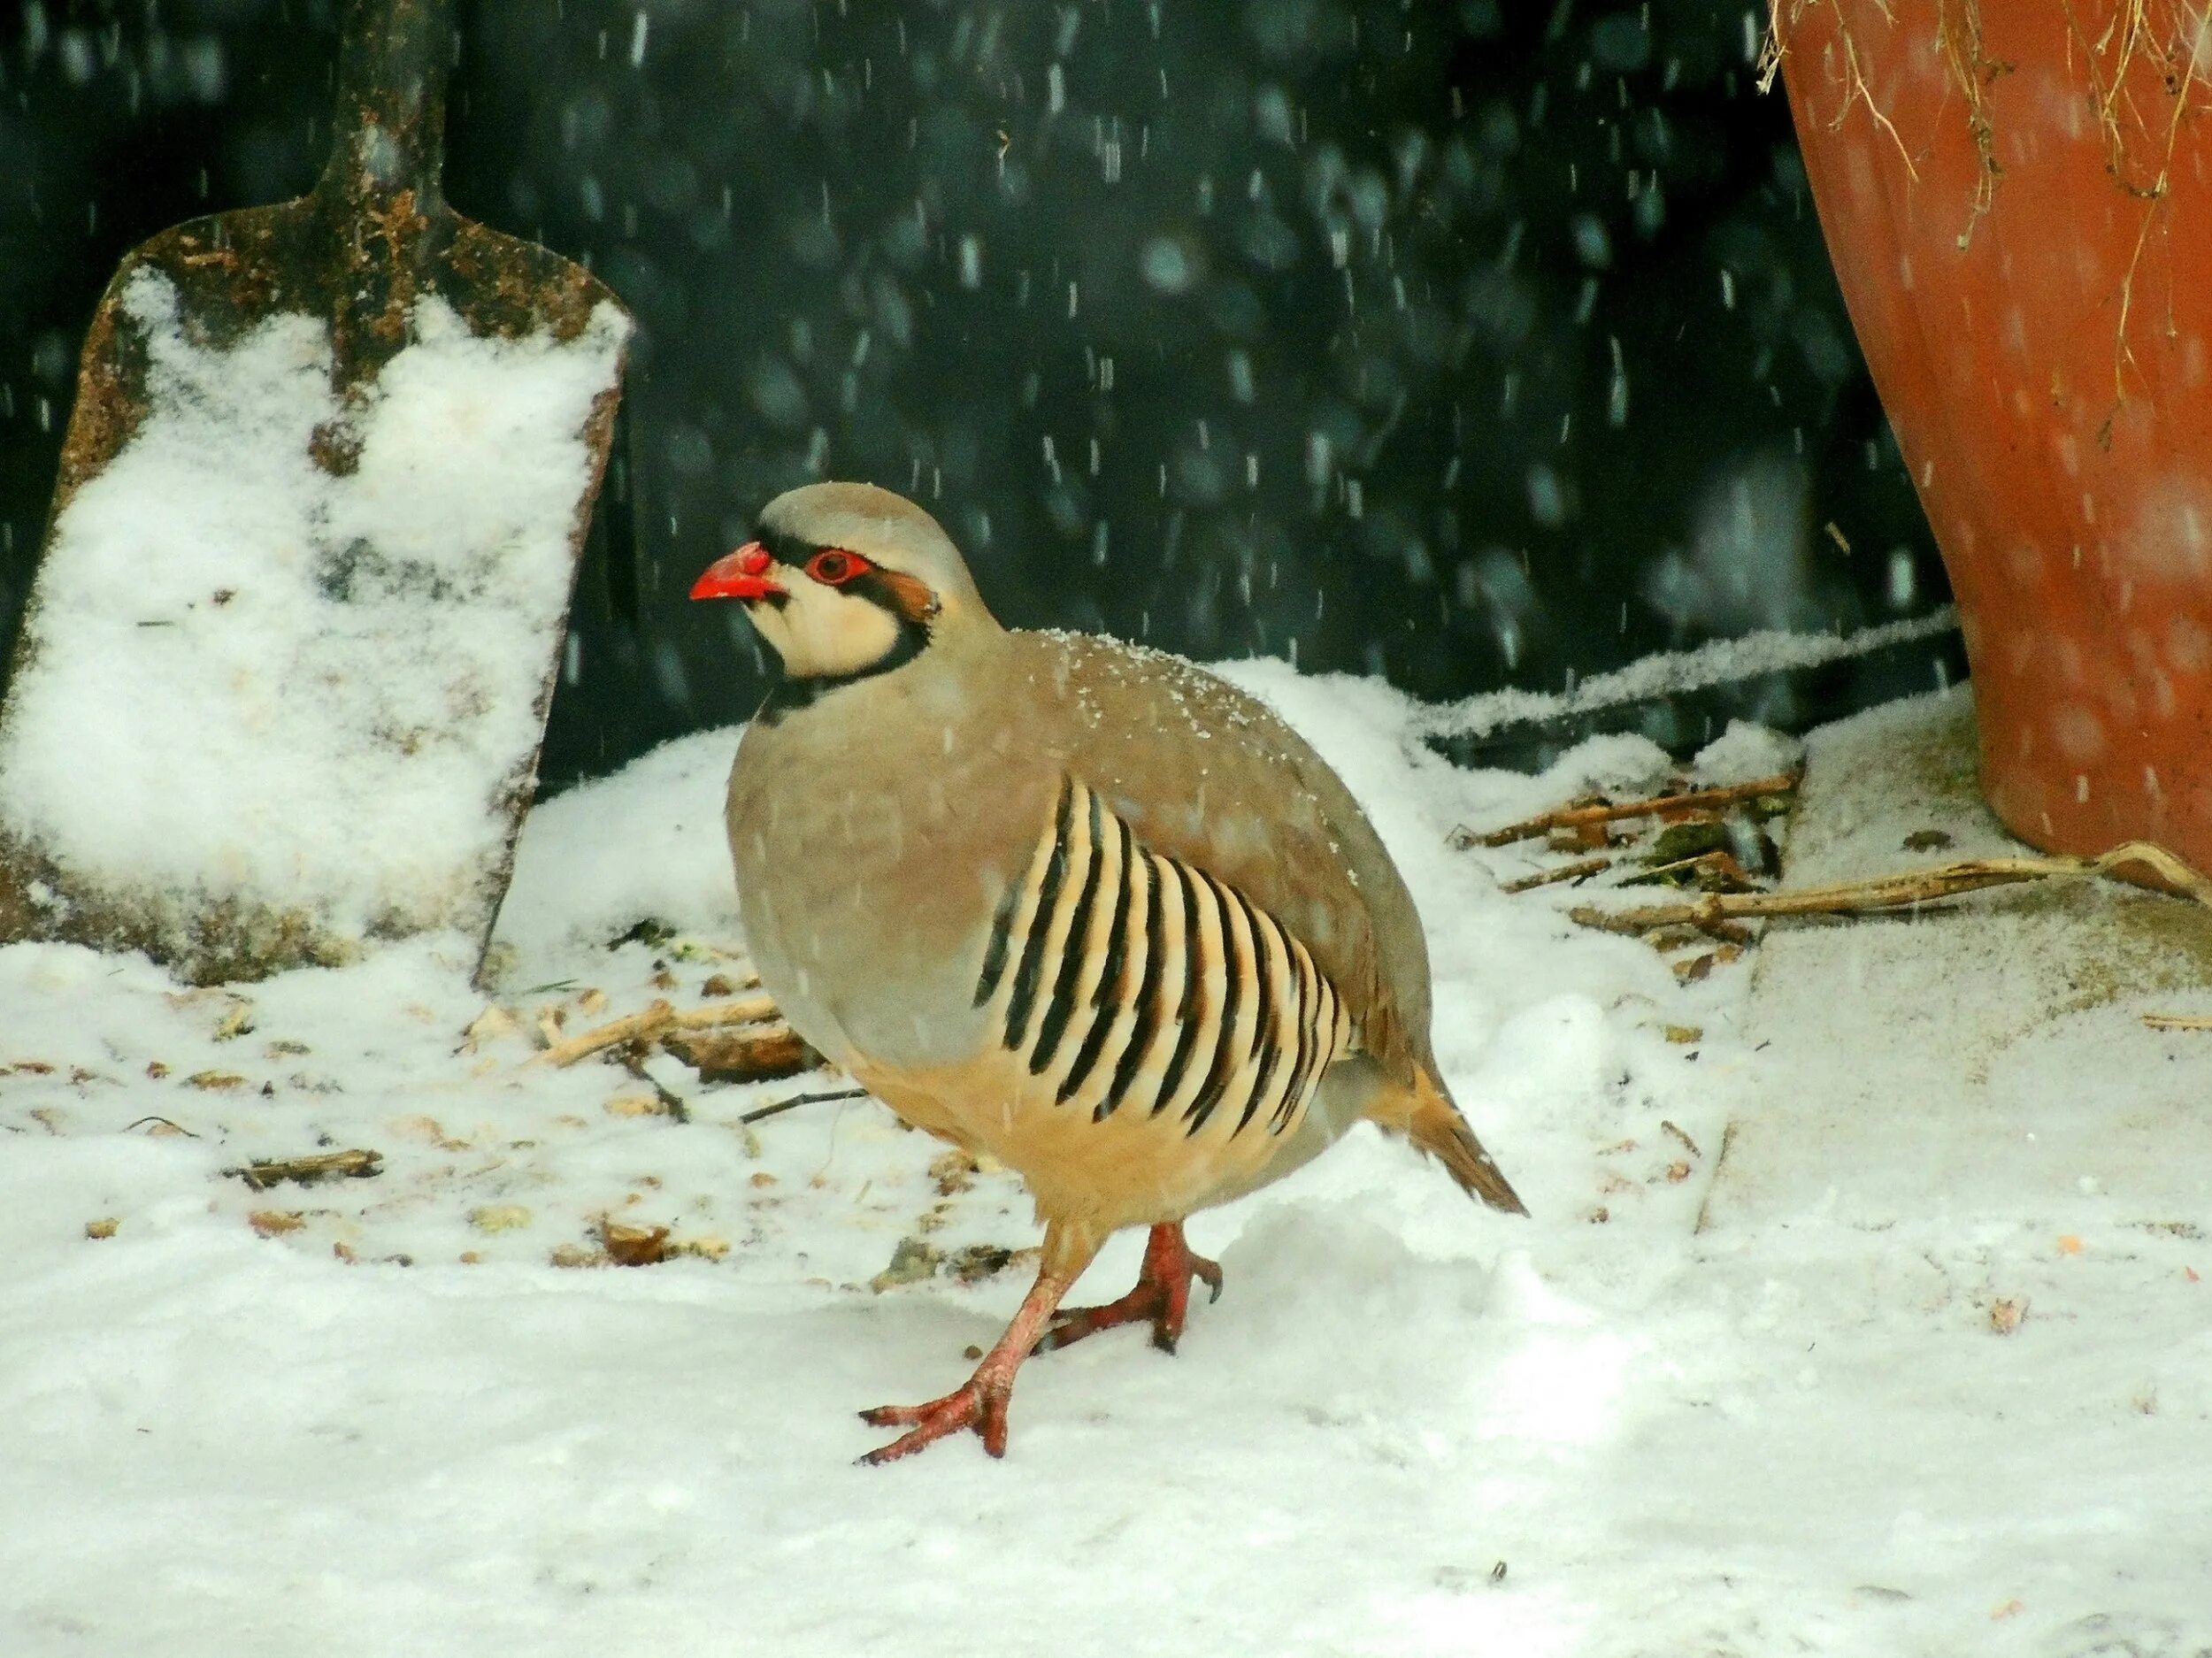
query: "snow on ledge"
1670, 672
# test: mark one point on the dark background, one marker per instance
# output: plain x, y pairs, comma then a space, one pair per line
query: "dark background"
1472, 342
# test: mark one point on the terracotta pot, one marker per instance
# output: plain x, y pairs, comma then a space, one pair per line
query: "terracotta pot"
2016, 197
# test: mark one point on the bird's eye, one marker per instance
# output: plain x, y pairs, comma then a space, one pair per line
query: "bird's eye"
834, 567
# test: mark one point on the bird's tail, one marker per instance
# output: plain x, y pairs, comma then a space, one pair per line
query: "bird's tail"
1436, 1126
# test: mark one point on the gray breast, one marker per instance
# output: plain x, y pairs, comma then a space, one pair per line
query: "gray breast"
866, 896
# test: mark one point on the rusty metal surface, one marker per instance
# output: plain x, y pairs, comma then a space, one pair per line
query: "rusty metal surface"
372, 237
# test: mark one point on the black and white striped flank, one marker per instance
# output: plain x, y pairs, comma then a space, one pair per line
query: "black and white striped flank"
1127, 979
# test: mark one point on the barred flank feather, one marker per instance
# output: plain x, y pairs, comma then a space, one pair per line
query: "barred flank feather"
1142, 980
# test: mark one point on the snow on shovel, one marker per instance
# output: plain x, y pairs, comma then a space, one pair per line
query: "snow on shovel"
284, 671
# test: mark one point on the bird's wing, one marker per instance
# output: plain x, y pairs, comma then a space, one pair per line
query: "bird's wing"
1207, 776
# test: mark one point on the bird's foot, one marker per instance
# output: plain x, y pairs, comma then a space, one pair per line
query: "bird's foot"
979, 1403
1162, 1295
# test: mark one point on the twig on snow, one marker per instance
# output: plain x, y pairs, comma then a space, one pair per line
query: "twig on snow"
757, 1053
659, 1018
1580, 869
797, 1100
1656, 806
264, 1172
1900, 892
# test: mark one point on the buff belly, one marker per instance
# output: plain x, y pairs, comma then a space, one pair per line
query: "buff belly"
1135, 1167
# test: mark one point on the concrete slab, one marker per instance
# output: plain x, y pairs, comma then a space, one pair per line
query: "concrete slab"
1985, 1059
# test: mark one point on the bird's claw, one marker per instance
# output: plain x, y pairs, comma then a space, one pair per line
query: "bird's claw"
977, 1403
1162, 1296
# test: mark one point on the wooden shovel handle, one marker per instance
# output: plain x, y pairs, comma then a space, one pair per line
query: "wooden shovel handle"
388, 128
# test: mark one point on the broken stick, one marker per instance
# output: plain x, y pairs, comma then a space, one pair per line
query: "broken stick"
1582, 868
358, 1163
655, 1019
797, 1100
750, 1056
1900, 892
1656, 806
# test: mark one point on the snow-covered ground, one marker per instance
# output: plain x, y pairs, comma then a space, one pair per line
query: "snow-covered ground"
374, 1416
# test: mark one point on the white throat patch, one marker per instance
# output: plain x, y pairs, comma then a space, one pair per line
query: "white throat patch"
822, 634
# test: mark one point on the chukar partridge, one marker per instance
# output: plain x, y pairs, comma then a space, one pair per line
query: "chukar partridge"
1069, 901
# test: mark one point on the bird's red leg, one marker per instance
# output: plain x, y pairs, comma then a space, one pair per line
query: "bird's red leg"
980, 1404
1162, 1294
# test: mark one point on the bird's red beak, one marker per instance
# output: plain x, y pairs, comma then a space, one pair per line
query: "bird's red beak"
741, 575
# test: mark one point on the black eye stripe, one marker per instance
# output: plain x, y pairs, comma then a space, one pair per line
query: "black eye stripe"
785, 547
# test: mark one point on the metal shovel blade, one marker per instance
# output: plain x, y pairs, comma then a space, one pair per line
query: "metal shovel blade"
284, 671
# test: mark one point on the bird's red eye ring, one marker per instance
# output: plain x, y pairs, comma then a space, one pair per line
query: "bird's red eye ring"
834, 566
